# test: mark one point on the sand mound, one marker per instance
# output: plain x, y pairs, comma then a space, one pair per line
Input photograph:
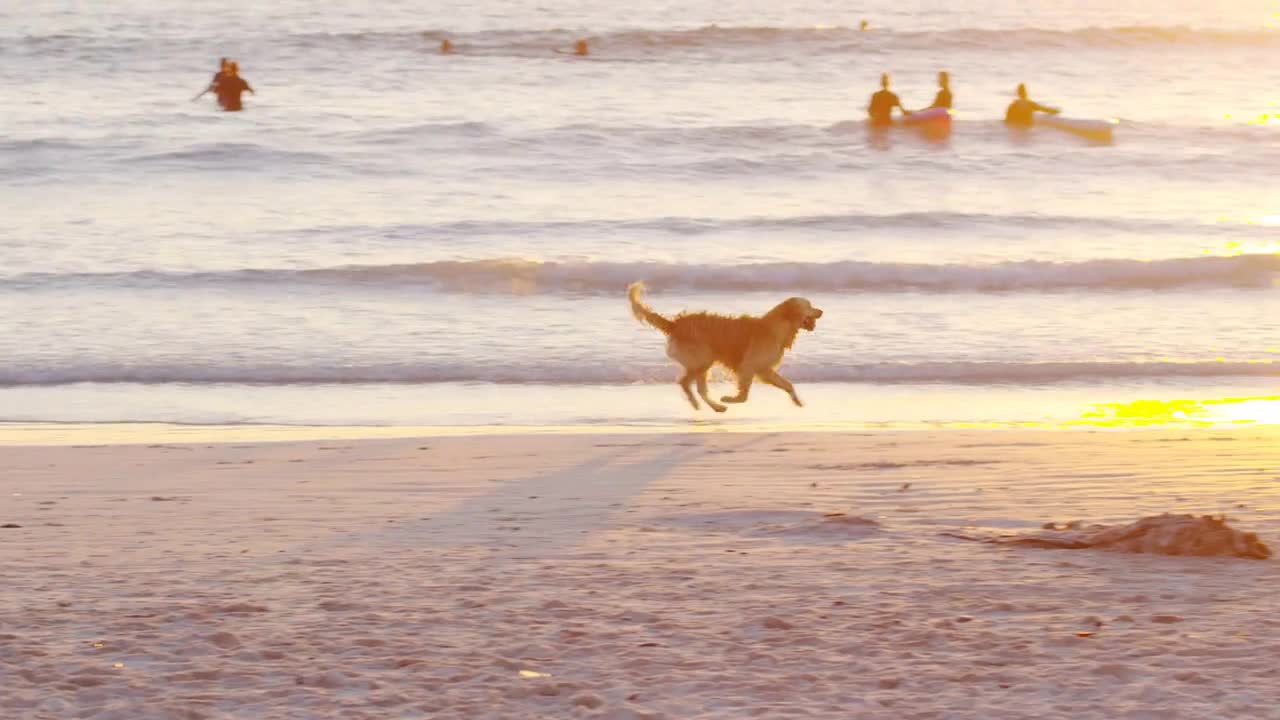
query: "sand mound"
1165, 534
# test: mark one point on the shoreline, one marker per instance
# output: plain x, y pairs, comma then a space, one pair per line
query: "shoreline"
54, 434
460, 408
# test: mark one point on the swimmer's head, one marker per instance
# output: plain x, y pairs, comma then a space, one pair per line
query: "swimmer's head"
580, 47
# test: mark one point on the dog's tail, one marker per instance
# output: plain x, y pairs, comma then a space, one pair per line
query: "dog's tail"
644, 313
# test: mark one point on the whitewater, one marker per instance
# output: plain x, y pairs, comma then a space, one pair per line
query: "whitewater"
389, 236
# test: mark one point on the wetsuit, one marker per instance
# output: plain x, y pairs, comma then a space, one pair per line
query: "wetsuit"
229, 89
881, 108
943, 100
1022, 112
217, 78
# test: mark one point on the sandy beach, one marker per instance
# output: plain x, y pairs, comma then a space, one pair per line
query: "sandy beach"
694, 575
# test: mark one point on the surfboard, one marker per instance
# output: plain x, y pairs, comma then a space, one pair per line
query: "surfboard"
932, 116
1101, 130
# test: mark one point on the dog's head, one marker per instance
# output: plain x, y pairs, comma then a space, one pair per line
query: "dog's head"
799, 312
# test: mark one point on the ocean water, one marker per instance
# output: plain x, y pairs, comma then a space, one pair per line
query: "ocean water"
391, 236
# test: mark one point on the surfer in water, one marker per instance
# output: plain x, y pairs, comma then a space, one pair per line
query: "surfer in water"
230, 88
1021, 112
880, 111
580, 49
223, 64
943, 99
222, 72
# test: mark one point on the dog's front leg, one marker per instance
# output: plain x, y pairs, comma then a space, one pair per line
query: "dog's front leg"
776, 380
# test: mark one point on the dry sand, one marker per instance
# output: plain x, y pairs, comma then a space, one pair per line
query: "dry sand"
628, 576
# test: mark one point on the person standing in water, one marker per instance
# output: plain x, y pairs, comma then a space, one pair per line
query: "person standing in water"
223, 64
222, 71
943, 99
1021, 112
230, 88
880, 111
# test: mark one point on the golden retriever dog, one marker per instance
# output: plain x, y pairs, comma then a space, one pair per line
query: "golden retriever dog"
752, 347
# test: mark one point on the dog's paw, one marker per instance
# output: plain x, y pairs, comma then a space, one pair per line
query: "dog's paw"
796, 400
719, 408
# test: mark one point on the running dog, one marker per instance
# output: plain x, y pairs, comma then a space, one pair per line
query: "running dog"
752, 347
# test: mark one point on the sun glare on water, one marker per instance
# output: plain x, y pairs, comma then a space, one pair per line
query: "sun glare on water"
1262, 410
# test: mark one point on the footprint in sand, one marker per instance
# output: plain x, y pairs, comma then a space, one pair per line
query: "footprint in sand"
791, 524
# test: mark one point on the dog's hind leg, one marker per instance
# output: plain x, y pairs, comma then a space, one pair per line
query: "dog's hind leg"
744, 389
776, 380
702, 390
686, 382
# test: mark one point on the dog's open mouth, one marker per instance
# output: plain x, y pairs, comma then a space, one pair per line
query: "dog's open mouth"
809, 323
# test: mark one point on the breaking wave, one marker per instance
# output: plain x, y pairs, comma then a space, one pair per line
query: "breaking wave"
519, 276
647, 44
576, 373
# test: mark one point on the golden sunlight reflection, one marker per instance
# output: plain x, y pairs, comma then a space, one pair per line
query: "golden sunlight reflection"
1264, 410
1232, 248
